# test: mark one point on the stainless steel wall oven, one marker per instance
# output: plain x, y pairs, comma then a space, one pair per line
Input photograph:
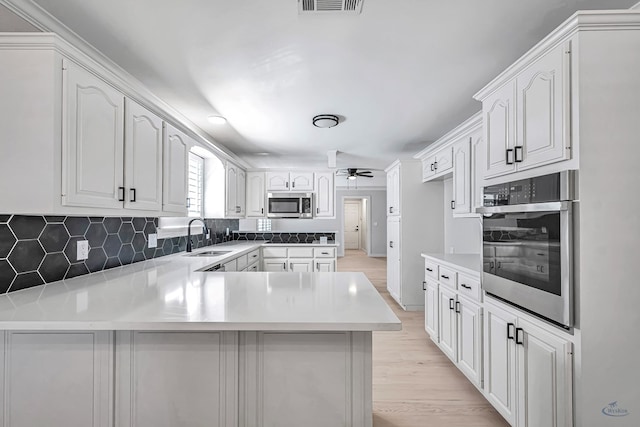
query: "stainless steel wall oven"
527, 239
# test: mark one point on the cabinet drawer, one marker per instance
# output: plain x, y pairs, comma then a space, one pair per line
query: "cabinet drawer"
469, 287
230, 266
430, 270
304, 252
324, 252
253, 267
241, 262
253, 256
447, 277
274, 252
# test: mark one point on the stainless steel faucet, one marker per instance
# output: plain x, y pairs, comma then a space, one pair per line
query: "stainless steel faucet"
204, 231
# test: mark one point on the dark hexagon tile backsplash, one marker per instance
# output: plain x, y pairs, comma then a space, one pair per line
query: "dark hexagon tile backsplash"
42, 249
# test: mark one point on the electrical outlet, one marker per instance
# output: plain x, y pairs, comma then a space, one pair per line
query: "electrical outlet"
153, 240
227, 231
208, 235
82, 250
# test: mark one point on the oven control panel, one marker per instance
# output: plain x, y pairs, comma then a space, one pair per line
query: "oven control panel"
533, 190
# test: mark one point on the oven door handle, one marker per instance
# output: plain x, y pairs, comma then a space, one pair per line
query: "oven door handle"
532, 207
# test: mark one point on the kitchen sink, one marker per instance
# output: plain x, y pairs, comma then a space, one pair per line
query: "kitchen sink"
209, 253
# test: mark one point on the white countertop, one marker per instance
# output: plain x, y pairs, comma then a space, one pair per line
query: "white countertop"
330, 243
169, 294
467, 263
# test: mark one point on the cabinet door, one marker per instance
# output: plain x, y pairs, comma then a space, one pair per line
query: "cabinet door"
393, 257
447, 322
393, 191
428, 168
543, 111
176, 167
231, 191
499, 129
500, 361
255, 194
301, 181
461, 203
231, 265
142, 158
300, 265
325, 266
57, 378
443, 161
241, 192
93, 140
168, 379
478, 151
274, 264
544, 378
277, 181
470, 340
325, 207
431, 310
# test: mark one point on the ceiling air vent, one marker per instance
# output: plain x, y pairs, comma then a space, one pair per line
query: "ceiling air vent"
324, 6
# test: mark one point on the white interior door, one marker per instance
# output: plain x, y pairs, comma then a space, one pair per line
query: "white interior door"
352, 224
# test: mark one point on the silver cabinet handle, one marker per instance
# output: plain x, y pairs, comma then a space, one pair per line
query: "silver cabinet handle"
318, 266
391, 243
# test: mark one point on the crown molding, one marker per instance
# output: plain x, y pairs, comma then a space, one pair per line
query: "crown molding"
600, 20
636, 6
70, 44
470, 125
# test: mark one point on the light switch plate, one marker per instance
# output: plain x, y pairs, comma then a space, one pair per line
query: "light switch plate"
153, 240
82, 250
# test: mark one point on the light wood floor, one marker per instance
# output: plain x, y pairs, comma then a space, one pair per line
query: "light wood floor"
414, 383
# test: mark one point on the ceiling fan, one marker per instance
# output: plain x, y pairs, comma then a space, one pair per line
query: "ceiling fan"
353, 173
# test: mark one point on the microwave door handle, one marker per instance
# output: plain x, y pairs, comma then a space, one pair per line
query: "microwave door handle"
533, 207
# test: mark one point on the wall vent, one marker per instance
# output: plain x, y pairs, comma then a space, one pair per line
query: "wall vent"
325, 6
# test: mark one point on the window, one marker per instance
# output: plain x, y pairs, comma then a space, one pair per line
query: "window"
196, 185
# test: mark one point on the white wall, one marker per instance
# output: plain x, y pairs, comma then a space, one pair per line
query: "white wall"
378, 223
460, 234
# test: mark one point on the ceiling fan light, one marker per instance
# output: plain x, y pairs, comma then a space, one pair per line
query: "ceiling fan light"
325, 121
352, 177
217, 120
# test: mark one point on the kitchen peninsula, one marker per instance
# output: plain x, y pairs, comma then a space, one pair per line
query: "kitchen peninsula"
165, 343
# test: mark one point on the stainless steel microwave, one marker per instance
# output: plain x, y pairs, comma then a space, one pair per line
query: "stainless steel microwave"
290, 205
527, 245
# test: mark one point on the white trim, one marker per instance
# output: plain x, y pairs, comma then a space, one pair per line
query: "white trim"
635, 6
468, 126
580, 21
96, 62
369, 225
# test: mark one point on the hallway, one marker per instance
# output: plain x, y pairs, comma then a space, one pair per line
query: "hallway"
414, 383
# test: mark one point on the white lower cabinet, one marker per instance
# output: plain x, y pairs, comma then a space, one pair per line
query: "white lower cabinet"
528, 370
447, 329
431, 310
56, 378
393, 257
299, 259
167, 379
469, 334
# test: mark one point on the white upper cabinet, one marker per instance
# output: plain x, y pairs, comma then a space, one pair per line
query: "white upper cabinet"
477, 152
236, 179
176, 167
437, 164
527, 119
93, 140
461, 197
255, 194
499, 126
325, 204
143, 158
542, 111
290, 181
393, 191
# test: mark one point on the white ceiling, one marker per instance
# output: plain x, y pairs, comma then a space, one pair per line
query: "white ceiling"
401, 74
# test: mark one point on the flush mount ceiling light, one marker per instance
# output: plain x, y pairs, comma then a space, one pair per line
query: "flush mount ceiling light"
325, 121
217, 120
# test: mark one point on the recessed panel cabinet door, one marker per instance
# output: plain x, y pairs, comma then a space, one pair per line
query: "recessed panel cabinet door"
325, 266
275, 264
543, 110
143, 158
500, 361
393, 257
255, 194
447, 322
544, 378
470, 340
93, 140
56, 378
232, 207
461, 202
301, 181
324, 195
176, 162
241, 192
499, 125
431, 310
301, 265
